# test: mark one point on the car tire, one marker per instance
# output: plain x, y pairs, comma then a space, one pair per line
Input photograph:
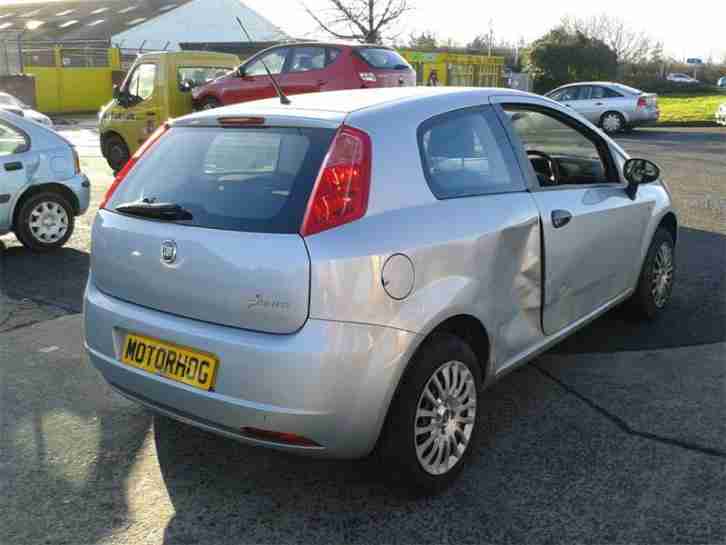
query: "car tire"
116, 152
210, 103
414, 445
612, 122
655, 284
45, 222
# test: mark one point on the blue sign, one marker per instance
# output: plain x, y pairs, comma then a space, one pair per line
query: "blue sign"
694, 61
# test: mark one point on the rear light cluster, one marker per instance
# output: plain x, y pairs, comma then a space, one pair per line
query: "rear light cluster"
340, 194
150, 141
642, 102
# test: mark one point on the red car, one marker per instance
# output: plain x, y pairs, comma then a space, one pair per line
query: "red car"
307, 68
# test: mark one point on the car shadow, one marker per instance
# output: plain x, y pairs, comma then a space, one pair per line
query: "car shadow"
56, 278
696, 314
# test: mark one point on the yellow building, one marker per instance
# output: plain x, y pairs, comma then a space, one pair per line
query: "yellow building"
455, 69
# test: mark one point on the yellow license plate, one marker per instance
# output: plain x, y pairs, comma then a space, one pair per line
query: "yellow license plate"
174, 362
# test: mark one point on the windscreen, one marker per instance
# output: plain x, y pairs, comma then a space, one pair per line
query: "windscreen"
241, 179
382, 58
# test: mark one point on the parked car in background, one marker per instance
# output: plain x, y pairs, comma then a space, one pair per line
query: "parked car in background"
682, 78
42, 188
378, 258
612, 106
721, 115
721, 82
308, 68
157, 87
11, 104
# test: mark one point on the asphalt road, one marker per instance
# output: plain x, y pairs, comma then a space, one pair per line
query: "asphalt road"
614, 447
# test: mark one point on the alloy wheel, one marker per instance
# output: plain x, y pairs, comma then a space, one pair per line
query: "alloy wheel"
612, 123
445, 418
662, 275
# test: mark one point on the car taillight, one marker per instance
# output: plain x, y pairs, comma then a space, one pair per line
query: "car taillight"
76, 162
642, 102
368, 76
340, 194
150, 141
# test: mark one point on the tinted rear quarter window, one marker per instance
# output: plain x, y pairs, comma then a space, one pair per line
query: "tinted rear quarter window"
382, 59
255, 180
465, 153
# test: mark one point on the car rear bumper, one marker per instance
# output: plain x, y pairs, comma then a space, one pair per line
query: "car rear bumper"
81, 187
331, 382
648, 116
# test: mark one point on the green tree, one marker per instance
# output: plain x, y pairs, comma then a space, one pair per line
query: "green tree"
561, 57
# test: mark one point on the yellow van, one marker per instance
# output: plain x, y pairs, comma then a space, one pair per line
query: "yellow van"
157, 87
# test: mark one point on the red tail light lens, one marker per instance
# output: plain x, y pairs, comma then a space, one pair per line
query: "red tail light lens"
150, 141
340, 194
642, 102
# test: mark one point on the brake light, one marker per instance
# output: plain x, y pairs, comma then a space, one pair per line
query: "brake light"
340, 194
642, 102
368, 76
278, 437
150, 141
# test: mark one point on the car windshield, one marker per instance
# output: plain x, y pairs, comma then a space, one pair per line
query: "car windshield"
199, 75
382, 58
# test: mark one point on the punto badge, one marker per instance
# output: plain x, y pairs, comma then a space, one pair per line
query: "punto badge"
168, 252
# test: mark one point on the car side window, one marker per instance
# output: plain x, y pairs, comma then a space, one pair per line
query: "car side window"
610, 93
597, 92
580, 156
305, 59
275, 61
12, 140
572, 93
142, 80
333, 54
462, 155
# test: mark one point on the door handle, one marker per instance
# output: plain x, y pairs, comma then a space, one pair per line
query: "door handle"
17, 165
598, 104
560, 218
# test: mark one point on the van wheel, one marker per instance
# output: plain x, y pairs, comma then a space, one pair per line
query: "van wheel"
210, 103
45, 222
655, 284
116, 152
432, 423
612, 122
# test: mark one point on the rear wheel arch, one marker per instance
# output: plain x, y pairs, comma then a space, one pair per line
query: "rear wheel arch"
33, 190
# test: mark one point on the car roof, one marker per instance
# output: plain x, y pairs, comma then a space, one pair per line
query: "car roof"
356, 100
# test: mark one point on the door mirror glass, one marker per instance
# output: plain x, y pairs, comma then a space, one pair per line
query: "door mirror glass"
241, 72
640, 171
186, 85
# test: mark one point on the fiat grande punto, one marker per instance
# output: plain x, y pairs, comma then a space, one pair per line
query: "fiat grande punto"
346, 274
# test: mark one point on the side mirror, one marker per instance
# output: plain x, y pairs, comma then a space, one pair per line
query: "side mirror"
241, 72
186, 85
639, 171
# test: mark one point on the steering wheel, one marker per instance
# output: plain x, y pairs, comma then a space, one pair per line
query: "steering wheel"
554, 168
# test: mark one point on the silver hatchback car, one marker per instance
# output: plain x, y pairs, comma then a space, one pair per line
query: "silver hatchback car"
612, 106
350, 271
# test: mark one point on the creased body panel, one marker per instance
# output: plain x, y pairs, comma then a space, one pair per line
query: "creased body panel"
476, 255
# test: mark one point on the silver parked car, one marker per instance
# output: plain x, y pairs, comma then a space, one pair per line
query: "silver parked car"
9, 103
42, 187
353, 269
612, 106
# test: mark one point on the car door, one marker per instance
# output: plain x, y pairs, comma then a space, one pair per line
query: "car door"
571, 96
143, 114
14, 146
595, 104
305, 71
592, 229
255, 84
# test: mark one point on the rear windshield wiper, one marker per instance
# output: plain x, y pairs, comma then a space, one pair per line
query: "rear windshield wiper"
156, 210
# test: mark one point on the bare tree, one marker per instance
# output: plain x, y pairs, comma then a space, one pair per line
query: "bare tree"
360, 20
631, 46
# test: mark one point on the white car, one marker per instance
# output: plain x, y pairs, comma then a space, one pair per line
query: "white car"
42, 188
682, 78
11, 104
721, 115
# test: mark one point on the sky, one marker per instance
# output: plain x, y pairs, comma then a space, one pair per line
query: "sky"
693, 29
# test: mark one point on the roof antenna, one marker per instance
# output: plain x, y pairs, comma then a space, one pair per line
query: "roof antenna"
278, 90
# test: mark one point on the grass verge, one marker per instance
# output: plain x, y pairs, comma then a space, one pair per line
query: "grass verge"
689, 109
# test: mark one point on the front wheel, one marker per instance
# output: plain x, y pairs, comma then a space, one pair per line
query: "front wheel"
210, 103
655, 284
116, 152
45, 222
432, 422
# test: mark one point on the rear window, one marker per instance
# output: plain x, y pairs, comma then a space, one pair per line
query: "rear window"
240, 179
382, 58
